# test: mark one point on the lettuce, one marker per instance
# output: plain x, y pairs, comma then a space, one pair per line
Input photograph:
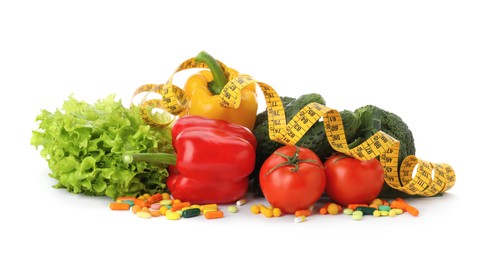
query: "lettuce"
84, 144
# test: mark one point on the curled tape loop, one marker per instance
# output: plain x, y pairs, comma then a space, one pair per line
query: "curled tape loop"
428, 180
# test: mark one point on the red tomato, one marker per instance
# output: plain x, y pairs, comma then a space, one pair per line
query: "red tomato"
349, 180
292, 178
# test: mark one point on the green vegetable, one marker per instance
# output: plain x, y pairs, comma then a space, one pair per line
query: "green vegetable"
84, 145
314, 139
373, 119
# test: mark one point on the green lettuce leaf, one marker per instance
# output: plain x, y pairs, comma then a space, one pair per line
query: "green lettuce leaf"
83, 145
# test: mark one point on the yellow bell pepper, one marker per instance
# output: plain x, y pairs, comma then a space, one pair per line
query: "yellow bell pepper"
202, 92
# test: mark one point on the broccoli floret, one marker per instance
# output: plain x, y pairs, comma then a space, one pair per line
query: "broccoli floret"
373, 119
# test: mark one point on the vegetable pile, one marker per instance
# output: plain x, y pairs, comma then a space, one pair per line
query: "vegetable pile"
294, 153
84, 144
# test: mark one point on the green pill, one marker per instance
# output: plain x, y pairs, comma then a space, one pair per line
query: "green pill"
192, 212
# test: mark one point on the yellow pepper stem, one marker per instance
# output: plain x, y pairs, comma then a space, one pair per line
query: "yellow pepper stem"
219, 79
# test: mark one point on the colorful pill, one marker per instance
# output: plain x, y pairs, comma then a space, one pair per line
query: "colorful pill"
172, 215
155, 206
241, 202
300, 219
384, 207
232, 209
119, 206
191, 212
155, 198
302, 212
130, 202
348, 211
214, 214
276, 212
255, 209
357, 215
143, 214
366, 210
166, 202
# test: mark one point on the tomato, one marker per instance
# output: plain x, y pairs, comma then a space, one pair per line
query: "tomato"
292, 178
350, 180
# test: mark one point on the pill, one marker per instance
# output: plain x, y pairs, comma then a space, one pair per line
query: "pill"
300, 219
348, 211
166, 196
397, 211
166, 202
122, 198
384, 207
302, 212
232, 209
155, 213
392, 213
241, 202
130, 202
214, 214
136, 208
267, 212
376, 213
323, 211
190, 213
208, 210
155, 198
172, 215
155, 206
333, 209
119, 206
356, 215
366, 210
355, 205
255, 209
377, 202
208, 206
163, 210
276, 212
178, 206
384, 213
142, 214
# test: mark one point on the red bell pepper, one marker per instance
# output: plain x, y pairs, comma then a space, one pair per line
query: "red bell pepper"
214, 159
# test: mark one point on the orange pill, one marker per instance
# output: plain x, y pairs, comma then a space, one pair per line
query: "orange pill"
155, 198
136, 208
119, 206
214, 214
155, 213
302, 212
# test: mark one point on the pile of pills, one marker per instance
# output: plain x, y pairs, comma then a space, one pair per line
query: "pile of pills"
148, 206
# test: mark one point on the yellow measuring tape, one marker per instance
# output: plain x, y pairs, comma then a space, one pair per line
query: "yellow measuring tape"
428, 180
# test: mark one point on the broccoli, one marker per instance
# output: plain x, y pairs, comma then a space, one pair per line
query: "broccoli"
373, 119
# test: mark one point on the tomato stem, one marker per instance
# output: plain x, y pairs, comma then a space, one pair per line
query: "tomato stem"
292, 161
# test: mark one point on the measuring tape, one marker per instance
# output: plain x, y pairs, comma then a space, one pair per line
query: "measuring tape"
430, 178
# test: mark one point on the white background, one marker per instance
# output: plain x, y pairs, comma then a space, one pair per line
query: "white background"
423, 60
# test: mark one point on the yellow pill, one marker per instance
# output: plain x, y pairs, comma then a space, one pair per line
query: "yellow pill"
176, 201
166, 202
332, 209
146, 195
384, 213
172, 215
143, 214
208, 206
377, 202
376, 213
397, 211
392, 213
163, 210
166, 196
255, 209
232, 209
267, 213
209, 210
276, 212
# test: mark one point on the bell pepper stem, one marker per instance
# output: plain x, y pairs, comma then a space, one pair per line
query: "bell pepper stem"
156, 158
219, 79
